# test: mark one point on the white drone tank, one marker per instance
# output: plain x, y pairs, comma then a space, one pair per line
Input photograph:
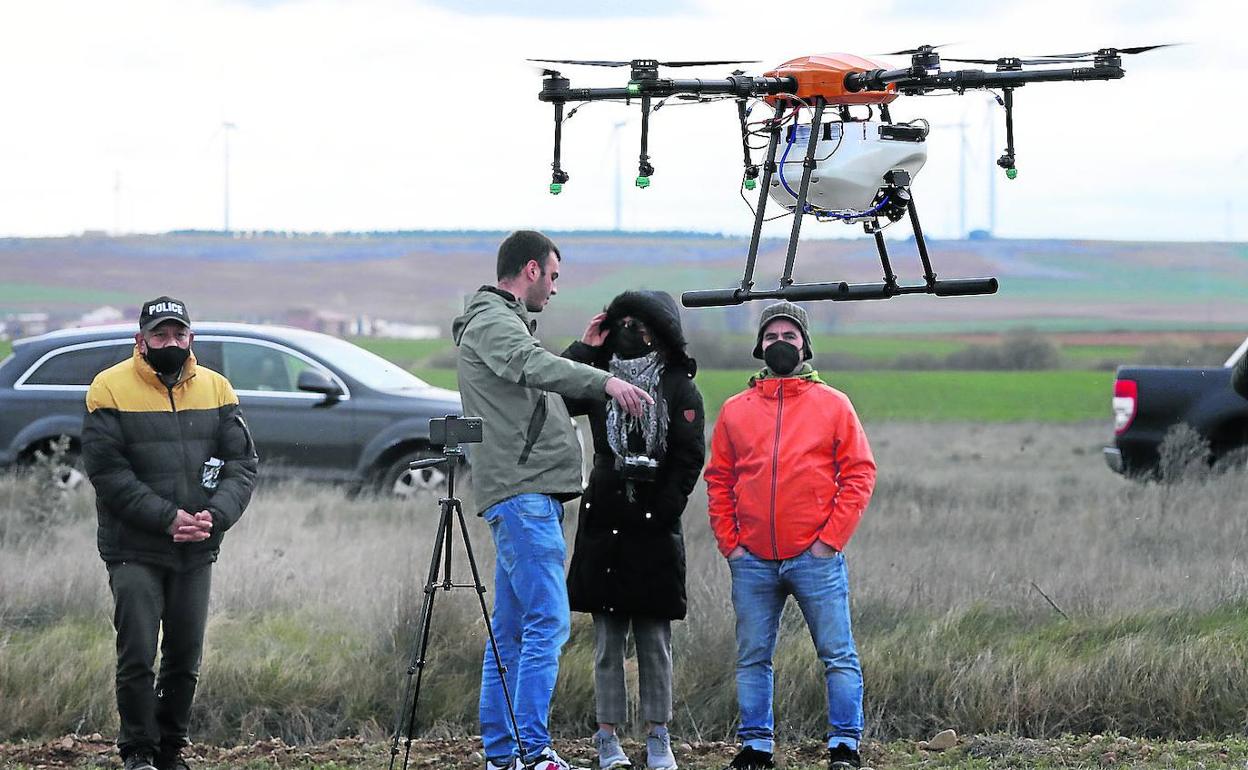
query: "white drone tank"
851, 159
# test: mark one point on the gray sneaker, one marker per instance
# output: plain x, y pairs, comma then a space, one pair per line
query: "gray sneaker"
610, 755
659, 750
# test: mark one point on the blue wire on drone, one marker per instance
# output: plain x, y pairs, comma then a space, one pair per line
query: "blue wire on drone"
868, 212
788, 146
810, 209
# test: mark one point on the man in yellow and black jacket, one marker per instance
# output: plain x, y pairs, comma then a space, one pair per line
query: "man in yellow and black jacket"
173, 466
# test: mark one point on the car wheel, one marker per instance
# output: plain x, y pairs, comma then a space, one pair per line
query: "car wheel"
70, 474
398, 480
62, 462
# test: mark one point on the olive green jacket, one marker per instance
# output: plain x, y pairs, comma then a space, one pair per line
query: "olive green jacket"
1239, 377
507, 378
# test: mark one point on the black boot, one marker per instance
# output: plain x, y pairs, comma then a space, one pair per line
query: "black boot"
842, 757
752, 759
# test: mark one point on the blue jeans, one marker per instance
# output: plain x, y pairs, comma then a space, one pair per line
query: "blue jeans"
531, 623
821, 587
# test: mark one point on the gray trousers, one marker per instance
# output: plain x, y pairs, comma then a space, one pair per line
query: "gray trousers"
155, 710
653, 639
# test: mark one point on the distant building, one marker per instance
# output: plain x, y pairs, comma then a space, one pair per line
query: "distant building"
102, 315
342, 325
324, 321
384, 328
19, 325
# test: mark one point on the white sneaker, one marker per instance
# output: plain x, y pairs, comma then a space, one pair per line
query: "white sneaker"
659, 754
547, 759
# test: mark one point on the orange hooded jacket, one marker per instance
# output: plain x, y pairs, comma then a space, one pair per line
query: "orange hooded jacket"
789, 464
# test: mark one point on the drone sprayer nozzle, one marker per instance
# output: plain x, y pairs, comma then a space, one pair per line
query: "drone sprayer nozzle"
1011, 173
555, 188
643, 182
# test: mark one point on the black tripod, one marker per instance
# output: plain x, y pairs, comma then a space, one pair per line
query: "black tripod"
450, 504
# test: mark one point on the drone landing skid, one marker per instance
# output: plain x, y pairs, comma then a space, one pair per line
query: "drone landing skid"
895, 201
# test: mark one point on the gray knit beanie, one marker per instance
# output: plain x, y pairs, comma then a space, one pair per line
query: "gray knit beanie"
784, 310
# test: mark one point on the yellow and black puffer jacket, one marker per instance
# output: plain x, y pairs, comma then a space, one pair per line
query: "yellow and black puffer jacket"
150, 449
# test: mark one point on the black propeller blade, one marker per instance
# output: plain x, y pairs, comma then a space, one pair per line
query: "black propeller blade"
585, 62
598, 63
1011, 59
1090, 54
911, 51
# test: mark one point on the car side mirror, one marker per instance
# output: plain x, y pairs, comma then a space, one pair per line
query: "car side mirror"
312, 381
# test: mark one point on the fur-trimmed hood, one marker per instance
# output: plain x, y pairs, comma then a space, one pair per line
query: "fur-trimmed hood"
659, 311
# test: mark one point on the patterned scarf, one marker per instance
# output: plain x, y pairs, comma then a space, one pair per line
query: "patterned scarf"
646, 373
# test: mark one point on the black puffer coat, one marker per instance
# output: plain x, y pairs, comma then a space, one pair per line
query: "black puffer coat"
629, 557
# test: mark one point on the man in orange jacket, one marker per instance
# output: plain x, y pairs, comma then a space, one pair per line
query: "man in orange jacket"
790, 475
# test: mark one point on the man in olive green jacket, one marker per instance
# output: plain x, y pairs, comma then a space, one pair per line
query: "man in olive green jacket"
528, 465
1239, 377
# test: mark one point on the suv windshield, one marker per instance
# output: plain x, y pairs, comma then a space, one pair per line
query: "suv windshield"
369, 368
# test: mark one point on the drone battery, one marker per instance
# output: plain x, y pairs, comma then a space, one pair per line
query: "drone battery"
851, 159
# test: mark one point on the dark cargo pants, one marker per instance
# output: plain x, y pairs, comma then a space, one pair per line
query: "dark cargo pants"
155, 710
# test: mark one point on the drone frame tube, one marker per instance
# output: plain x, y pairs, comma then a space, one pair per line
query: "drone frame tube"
841, 291
769, 168
808, 167
912, 81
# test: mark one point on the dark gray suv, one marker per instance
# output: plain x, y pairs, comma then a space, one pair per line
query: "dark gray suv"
319, 407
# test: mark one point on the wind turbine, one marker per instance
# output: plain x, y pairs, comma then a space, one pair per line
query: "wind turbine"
226, 128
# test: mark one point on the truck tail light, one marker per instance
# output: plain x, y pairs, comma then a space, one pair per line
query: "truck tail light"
1126, 396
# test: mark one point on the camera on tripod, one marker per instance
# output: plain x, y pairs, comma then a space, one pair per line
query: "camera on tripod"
451, 431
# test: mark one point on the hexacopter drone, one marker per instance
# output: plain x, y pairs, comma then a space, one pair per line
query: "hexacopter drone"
850, 169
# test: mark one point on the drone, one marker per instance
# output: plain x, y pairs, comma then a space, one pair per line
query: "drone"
834, 164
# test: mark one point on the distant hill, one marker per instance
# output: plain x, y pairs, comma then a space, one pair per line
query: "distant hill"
422, 277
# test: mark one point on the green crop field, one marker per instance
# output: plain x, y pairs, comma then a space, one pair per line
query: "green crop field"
403, 352
29, 295
6, 347
1052, 396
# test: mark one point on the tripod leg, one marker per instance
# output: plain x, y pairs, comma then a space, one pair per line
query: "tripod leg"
489, 629
420, 645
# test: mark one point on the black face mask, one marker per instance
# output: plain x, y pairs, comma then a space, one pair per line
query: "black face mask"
629, 342
167, 360
782, 358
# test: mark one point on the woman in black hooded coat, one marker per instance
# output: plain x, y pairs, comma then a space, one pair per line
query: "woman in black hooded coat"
628, 562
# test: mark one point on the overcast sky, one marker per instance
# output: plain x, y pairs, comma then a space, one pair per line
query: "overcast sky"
401, 114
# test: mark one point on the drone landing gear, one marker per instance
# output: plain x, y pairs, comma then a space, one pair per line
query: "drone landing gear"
894, 201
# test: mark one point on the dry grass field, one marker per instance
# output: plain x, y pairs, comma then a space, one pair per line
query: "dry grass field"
1004, 581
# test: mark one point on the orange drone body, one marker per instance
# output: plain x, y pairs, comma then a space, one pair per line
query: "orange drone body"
824, 76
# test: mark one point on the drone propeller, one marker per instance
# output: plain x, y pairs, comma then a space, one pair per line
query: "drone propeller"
920, 49
598, 63
1086, 55
1011, 60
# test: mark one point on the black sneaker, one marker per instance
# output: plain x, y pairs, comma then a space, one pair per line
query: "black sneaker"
140, 759
171, 760
751, 759
842, 757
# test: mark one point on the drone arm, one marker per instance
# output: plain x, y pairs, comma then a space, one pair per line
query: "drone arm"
1006, 161
557, 175
751, 170
911, 82
556, 89
644, 169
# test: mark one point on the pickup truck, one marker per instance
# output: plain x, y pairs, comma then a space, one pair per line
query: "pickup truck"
1148, 401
